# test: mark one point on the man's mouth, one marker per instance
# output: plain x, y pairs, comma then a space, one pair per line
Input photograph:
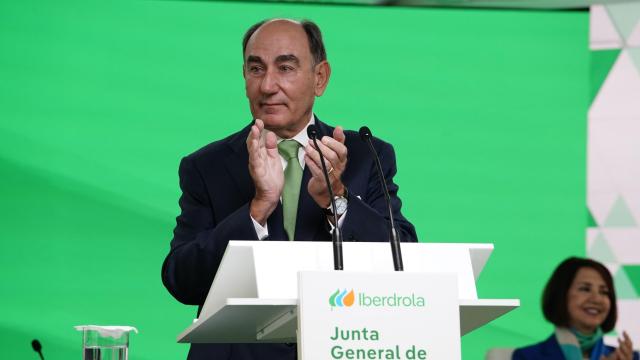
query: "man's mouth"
272, 108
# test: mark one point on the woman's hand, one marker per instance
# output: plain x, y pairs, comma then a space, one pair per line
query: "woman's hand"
624, 350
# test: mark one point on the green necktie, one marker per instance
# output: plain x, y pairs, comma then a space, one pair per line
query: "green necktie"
292, 178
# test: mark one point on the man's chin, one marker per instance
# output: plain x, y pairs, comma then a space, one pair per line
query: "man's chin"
274, 121
284, 127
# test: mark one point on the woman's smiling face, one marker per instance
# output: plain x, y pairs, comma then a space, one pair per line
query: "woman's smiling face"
588, 301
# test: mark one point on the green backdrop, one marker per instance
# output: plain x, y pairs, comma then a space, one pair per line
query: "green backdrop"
100, 100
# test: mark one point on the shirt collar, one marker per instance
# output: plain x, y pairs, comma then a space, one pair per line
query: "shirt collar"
302, 138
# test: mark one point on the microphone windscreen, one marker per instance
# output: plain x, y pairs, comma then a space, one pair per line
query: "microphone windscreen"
35, 344
365, 133
312, 132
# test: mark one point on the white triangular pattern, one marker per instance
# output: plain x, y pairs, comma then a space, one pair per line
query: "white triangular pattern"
634, 52
602, 33
624, 286
600, 177
628, 315
624, 244
620, 215
619, 94
634, 38
613, 153
624, 16
633, 201
600, 203
613, 268
601, 251
591, 236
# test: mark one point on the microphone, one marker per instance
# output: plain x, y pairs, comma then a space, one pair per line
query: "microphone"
37, 347
336, 236
394, 239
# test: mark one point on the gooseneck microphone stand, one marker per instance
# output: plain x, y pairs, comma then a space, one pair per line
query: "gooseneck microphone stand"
336, 235
394, 238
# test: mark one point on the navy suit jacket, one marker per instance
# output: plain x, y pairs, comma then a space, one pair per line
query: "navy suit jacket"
550, 350
216, 192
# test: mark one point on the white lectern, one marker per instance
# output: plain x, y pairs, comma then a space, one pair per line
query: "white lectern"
254, 295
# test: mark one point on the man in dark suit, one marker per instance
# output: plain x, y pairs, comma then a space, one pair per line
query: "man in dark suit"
265, 181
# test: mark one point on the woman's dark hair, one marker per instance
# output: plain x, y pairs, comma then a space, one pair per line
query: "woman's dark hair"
314, 36
554, 298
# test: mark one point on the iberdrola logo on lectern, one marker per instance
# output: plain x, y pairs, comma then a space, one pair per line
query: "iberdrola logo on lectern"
342, 298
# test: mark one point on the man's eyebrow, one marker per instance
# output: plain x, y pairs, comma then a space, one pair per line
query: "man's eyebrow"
287, 58
254, 58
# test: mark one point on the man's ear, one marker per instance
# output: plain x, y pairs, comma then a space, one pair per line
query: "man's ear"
322, 75
244, 76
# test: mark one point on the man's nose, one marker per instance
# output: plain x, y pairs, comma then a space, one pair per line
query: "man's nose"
269, 84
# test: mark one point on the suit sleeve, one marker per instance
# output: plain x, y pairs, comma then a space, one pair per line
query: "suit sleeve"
368, 217
199, 241
518, 355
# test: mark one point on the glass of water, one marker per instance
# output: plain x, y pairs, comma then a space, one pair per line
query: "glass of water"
105, 342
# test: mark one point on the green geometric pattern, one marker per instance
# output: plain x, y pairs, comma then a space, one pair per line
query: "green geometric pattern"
600, 250
591, 221
614, 112
624, 287
633, 273
625, 16
601, 63
620, 215
635, 56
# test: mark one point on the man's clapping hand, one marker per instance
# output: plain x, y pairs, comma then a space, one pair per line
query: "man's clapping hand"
265, 168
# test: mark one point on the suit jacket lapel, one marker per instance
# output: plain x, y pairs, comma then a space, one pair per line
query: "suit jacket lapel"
236, 165
308, 219
551, 348
323, 129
